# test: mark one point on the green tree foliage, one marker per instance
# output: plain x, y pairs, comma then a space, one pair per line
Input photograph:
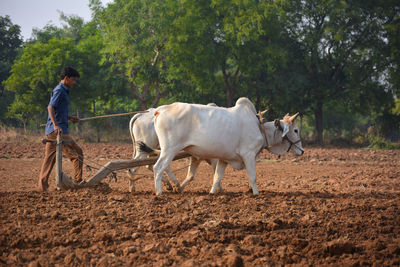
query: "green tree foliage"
392, 8
336, 62
72, 27
44, 35
212, 43
35, 74
134, 33
344, 53
10, 45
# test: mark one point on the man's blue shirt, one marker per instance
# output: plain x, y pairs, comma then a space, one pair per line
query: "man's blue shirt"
59, 100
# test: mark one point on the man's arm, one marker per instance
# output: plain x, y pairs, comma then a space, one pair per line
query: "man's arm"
53, 119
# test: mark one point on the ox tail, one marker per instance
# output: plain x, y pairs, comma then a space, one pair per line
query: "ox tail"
131, 122
145, 148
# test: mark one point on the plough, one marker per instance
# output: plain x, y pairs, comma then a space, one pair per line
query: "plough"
64, 182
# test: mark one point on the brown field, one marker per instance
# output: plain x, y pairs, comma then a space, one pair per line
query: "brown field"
329, 207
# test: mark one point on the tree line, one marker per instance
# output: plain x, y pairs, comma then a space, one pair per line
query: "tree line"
335, 62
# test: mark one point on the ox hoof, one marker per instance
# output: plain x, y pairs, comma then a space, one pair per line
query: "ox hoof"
169, 188
178, 189
131, 185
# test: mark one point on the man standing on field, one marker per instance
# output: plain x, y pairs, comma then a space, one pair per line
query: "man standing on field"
57, 123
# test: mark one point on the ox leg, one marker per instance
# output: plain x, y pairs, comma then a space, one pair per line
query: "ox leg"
194, 163
219, 189
164, 179
132, 172
219, 173
250, 163
173, 178
213, 163
161, 165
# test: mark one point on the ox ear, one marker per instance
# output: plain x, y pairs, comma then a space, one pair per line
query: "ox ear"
285, 129
278, 124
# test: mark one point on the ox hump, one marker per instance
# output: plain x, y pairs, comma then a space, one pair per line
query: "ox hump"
245, 102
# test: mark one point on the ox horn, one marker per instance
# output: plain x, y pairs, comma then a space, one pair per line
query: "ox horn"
292, 118
286, 117
262, 113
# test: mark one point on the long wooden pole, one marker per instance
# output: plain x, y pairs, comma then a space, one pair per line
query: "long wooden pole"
125, 164
107, 116
112, 115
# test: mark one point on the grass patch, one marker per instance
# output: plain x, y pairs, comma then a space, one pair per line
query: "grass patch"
15, 135
379, 143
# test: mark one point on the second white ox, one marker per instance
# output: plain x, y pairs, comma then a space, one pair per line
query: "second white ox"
233, 135
141, 128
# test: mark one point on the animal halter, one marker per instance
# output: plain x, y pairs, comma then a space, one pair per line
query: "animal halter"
280, 128
287, 138
292, 143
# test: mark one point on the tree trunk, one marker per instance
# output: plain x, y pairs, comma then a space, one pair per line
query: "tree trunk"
230, 94
79, 125
143, 105
230, 86
319, 123
258, 98
301, 124
25, 122
97, 126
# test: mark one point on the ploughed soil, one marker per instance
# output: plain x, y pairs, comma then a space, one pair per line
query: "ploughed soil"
328, 207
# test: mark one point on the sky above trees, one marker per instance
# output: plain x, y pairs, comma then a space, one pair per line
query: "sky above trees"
30, 14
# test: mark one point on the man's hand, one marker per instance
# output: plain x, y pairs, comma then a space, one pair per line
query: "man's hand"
73, 119
57, 129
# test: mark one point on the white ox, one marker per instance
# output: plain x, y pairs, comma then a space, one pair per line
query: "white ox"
233, 135
141, 127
